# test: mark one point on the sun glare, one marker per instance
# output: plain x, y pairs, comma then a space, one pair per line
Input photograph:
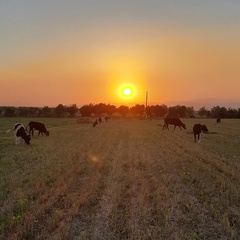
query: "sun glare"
127, 91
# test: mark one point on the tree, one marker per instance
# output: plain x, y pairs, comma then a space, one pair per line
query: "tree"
72, 109
160, 110
110, 109
123, 110
9, 112
190, 111
86, 110
59, 110
46, 112
177, 111
202, 111
215, 111
23, 112
157, 110
137, 109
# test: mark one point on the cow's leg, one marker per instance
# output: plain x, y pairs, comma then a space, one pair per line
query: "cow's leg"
17, 140
31, 131
199, 137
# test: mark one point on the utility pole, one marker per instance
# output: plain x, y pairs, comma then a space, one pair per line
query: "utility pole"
146, 99
146, 103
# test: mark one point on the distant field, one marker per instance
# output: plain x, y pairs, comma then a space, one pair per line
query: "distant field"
127, 179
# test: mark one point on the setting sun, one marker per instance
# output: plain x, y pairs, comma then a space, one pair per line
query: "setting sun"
127, 91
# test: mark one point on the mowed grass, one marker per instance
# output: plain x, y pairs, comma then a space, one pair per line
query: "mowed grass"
127, 179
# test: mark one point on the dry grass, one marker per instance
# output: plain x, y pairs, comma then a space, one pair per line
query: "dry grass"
121, 180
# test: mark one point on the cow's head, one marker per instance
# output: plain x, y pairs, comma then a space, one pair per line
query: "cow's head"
184, 126
27, 139
204, 128
47, 133
95, 123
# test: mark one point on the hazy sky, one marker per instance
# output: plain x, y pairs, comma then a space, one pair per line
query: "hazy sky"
80, 52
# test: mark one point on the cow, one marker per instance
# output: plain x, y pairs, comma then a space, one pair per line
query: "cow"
101, 120
218, 120
37, 126
174, 121
197, 130
20, 131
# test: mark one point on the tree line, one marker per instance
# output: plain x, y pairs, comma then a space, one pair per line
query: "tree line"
93, 110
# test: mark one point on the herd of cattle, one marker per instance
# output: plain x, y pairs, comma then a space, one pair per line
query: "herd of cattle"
25, 134
197, 128
21, 132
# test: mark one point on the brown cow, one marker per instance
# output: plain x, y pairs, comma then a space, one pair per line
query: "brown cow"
197, 130
174, 121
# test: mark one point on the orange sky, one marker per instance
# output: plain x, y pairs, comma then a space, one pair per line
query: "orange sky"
80, 53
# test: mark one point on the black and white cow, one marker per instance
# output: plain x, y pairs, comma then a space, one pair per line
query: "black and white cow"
19, 131
174, 121
37, 126
101, 120
197, 130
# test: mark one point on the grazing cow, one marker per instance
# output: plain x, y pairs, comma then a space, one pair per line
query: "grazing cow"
37, 126
100, 120
20, 131
218, 120
173, 121
197, 130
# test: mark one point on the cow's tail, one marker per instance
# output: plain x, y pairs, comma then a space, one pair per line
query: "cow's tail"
8, 131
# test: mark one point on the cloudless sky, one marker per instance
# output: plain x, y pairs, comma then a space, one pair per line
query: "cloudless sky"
80, 52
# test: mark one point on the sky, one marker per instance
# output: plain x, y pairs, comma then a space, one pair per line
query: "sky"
79, 52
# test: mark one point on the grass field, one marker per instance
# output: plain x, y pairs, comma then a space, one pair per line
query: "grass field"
127, 179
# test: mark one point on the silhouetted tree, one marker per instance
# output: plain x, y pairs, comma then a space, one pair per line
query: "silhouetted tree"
46, 112
23, 112
190, 111
72, 109
60, 110
10, 112
202, 111
215, 111
238, 113
177, 111
232, 113
123, 110
150, 111
110, 109
137, 109
86, 110
157, 110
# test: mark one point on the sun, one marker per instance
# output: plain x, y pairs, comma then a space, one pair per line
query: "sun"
127, 91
